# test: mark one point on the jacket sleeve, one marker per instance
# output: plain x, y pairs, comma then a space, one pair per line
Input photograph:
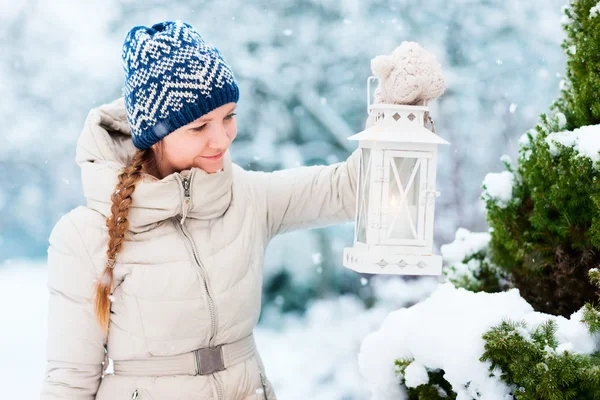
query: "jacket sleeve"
310, 197
75, 342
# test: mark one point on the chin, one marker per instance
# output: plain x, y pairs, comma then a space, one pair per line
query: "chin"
211, 169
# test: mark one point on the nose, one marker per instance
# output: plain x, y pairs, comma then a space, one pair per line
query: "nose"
219, 138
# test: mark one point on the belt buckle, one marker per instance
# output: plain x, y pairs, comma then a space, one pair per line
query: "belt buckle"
209, 360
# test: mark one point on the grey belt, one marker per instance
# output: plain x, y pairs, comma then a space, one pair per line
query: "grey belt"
203, 361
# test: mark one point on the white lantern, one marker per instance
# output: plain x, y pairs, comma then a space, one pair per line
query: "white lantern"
396, 193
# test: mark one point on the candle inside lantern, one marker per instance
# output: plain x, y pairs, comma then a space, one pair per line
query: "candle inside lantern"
401, 228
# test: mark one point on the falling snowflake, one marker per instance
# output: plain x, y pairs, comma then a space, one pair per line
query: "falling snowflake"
317, 258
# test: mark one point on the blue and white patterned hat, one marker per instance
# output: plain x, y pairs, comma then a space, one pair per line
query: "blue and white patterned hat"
173, 77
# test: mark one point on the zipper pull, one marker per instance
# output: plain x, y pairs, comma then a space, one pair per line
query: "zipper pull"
187, 199
186, 186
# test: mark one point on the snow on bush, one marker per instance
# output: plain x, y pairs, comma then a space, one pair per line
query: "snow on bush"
468, 265
466, 243
498, 187
445, 332
594, 11
585, 141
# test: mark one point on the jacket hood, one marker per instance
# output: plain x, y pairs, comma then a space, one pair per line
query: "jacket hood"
105, 147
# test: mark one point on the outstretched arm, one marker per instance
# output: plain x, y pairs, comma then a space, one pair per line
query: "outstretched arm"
309, 197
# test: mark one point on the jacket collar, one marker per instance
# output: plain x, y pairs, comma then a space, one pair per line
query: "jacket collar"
104, 148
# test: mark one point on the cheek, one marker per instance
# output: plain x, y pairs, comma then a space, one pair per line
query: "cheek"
232, 130
184, 153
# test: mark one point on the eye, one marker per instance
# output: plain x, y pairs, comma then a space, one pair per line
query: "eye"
201, 127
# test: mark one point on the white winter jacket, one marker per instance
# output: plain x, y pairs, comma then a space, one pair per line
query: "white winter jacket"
188, 276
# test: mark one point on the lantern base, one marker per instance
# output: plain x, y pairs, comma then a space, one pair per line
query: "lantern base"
371, 262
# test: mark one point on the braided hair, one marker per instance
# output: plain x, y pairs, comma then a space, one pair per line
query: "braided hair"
118, 226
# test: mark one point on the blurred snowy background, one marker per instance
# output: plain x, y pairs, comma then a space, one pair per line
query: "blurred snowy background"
302, 67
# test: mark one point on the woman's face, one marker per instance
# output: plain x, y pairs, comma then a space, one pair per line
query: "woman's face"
201, 143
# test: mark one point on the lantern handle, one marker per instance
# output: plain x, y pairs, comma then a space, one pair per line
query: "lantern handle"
369, 93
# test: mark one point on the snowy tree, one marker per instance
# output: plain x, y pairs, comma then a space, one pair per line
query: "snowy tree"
545, 216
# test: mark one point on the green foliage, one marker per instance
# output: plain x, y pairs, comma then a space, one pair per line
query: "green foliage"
481, 275
288, 295
436, 388
579, 97
591, 311
291, 298
529, 361
548, 236
591, 316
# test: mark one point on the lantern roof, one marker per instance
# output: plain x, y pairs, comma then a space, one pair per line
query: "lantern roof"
391, 131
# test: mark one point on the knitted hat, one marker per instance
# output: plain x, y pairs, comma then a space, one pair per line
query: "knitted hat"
173, 77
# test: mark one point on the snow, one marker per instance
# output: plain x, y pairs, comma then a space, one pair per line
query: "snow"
524, 139
561, 119
445, 332
317, 258
395, 293
465, 243
584, 140
594, 11
330, 335
24, 326
498, 186
565, 19
416, 375
565, 347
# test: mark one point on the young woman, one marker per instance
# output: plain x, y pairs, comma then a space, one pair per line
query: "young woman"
162, 269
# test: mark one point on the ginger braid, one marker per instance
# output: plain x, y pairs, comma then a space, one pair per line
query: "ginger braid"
118, 225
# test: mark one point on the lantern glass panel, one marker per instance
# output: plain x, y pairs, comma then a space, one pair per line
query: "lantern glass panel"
406, 177
363, 196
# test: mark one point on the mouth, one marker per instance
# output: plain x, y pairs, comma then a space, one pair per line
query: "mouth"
215, 157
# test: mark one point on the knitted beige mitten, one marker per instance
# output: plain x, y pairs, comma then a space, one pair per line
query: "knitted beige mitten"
410, 75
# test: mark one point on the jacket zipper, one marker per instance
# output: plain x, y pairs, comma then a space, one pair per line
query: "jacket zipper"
264, 385
211, 304
203, 273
